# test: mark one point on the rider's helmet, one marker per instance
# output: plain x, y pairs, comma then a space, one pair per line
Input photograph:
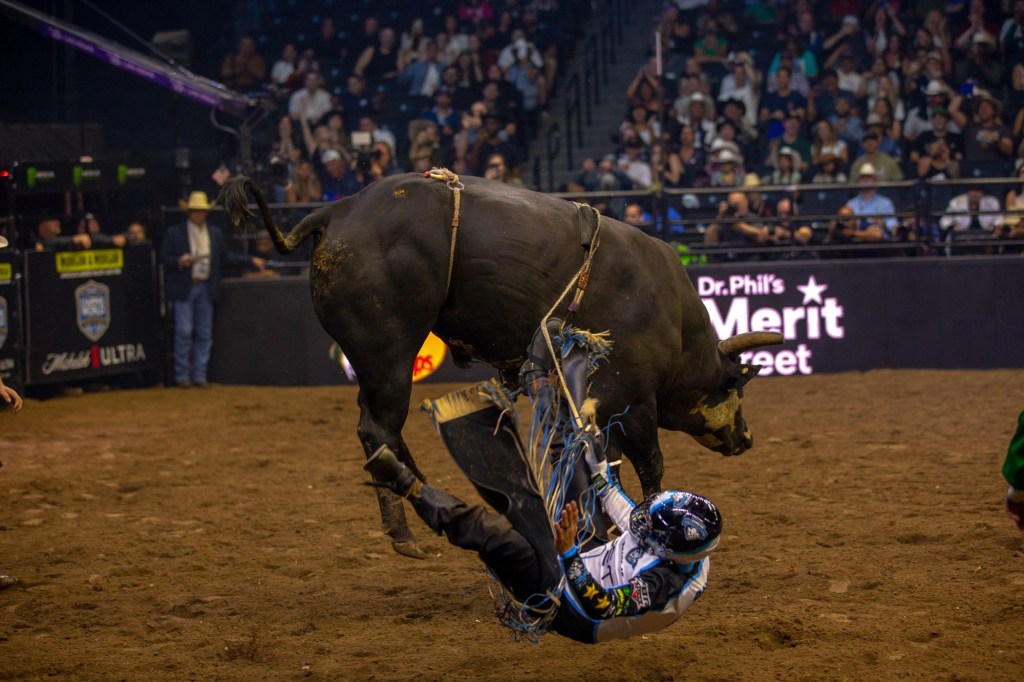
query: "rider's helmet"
679, 526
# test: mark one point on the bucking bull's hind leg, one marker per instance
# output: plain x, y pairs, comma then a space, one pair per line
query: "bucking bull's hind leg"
385, 429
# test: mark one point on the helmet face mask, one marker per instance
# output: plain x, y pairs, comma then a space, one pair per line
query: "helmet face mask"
678, 526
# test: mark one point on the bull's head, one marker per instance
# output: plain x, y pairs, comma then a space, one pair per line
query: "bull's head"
717, 418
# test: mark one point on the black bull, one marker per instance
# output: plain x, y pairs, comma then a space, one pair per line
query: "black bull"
380, 282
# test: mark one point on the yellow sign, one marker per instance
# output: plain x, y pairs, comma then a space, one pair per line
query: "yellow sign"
428, 360
6, 272
88, 261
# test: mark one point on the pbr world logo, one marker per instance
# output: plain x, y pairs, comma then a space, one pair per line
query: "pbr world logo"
753, 305
4, 325
92, 307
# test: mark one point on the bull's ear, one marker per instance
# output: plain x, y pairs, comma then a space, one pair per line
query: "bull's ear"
740, 374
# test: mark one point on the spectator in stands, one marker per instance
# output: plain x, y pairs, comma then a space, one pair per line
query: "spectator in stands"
355, 101
827, 142
824, 93
472, 121
519, 50
937, 24
783, 102
492, 139
413, 43
786, 170
727, 169
498, 170
798, 81
847, 229
848, 76
634, 215
846, 43
700, 116
643, 90
600, 176
887, 144
888, 105
367, 37
452, 41
445, 116
913, 70
973, 210
424, 145
1011, 35
987, 142
981, 64
919, 119
310, 102
798, 58
710, 46
379, 63
830, 170
885, 23
244, 69
977, 25
632, 163
876, 212
462, 95
136, 234
732, 124
937, 162
422, 73
48, 237
793, 136
338, 180
882, 166
740, 84
89, 224
786, 229
532, 90
383, 161
687, 163
939, 127
281, 75
305, 185
367, 124
193, 255
327, 43
1014, 219
735, 225
470, 68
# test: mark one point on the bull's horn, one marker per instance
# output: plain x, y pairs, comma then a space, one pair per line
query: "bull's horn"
734, 345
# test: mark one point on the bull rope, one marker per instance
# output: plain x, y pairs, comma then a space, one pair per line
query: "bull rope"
580, 281
451, 180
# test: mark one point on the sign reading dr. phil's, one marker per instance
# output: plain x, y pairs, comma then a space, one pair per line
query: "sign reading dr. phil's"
796, 303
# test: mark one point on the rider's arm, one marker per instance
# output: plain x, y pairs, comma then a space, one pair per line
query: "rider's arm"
654, 586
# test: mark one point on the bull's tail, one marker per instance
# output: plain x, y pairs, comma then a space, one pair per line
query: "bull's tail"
233, 194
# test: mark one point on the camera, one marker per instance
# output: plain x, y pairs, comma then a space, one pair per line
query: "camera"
365, 160
279, 170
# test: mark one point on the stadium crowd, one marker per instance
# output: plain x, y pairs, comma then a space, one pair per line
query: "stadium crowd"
826, 93
385, 87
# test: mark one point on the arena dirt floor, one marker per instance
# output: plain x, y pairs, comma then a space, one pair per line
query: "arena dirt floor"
225, 534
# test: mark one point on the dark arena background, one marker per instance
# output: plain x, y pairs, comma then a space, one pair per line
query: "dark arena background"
156, 532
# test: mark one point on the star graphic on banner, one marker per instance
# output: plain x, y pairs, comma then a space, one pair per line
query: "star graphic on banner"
812, 290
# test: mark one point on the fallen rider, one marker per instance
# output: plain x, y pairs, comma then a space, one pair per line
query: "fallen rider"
638, 583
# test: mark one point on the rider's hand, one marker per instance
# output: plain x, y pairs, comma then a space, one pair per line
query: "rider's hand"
565, 529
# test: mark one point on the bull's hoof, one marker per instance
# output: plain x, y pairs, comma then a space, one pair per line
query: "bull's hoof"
408, 548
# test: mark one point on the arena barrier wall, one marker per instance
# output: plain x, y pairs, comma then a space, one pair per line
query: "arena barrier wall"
837, 316
266, 333
90, 314
11, 350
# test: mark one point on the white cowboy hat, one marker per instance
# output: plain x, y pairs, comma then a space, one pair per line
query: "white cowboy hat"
3, 242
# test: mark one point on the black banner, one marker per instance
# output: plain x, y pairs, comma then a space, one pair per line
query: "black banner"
839, 316
104, 176
266, 333
10, 321
90, 314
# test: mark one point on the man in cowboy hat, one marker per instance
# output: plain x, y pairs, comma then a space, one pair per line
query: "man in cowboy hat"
877, 212
192, 255
919, 120
988, 144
